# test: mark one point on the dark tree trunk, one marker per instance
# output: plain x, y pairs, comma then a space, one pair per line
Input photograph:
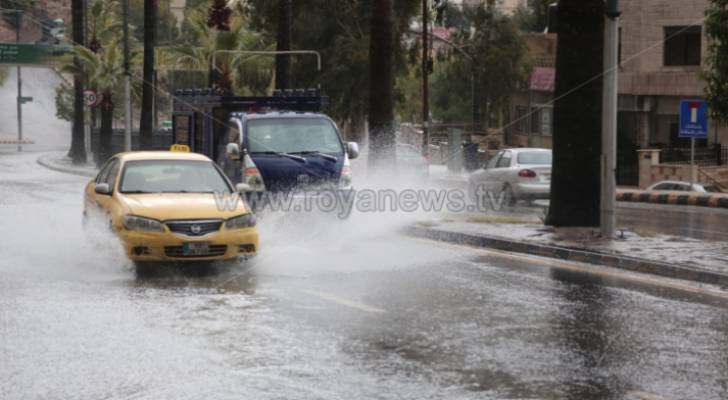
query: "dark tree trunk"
107, 120
283, 43
381, 83
146, 125
575, 181
78, 149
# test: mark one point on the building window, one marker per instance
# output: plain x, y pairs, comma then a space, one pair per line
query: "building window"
522, 119
535, 120
683, 45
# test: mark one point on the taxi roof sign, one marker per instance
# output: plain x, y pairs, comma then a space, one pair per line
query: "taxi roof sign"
180, 148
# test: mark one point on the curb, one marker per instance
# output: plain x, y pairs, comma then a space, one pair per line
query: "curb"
570, 254
676, 199
3, 141
46, 164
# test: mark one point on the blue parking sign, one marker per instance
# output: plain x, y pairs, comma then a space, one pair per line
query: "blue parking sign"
693, 119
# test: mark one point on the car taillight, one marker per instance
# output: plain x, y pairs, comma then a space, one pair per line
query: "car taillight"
526, 173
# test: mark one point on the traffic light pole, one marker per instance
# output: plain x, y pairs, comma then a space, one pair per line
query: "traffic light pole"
609, 121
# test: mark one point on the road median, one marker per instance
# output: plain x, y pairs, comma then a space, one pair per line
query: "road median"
59, 162
469, 237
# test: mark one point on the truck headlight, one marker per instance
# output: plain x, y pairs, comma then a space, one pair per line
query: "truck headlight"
243, 221
134, 223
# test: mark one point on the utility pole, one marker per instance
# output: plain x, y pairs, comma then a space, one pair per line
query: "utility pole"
20, 86
127, 79
609, 120
425, 76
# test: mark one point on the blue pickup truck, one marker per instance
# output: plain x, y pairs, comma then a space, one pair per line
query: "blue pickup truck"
280, 143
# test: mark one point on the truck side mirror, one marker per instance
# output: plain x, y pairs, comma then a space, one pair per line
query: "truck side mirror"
232, 151
243, 188
353, 149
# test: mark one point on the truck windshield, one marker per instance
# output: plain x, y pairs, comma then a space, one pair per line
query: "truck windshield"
171, 176
293, 135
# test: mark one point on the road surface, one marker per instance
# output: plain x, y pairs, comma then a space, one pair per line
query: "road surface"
329, 310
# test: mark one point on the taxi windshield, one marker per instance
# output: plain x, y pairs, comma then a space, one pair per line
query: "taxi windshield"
293, 135
171, 176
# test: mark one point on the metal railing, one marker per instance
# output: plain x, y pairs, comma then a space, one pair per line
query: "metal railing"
715, 155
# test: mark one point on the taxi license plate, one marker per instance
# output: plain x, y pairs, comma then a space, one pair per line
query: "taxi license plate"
196, 249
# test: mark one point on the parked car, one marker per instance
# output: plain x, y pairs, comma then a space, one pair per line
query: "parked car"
517, 174
682, 186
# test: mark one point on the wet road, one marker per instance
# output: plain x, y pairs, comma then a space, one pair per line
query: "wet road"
329, 310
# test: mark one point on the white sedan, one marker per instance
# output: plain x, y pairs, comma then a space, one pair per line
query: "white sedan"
512, 175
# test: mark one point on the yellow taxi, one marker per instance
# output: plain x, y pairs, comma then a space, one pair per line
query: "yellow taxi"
172, 206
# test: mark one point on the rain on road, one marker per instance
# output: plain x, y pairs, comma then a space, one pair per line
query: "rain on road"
329, 310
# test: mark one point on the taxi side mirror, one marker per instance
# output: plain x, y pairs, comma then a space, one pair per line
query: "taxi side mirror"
243, 188
232, 151
103, 189
353, 149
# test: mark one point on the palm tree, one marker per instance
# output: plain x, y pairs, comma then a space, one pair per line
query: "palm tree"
103, 23
232, 72
575, 189
105, 71
146, 125
381, 86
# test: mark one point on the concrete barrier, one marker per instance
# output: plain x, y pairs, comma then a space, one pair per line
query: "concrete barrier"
674, 198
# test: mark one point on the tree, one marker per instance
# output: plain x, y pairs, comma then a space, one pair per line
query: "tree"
105, 71
497, 59
283, 43
575, 189
534, 16
381, 85
146, 125
339, 32
219, 18
716, 74
77, 152
233, 73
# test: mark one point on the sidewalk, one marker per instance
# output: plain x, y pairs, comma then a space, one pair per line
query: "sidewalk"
59, 161
668, 256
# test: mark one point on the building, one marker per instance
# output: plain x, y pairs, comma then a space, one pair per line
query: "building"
531, 111
661, 55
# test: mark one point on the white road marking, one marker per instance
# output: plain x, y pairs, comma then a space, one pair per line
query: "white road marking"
343, 302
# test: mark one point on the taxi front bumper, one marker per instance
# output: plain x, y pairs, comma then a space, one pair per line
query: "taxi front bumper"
171, 247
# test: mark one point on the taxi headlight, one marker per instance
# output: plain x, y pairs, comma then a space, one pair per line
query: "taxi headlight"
243, 221
134, 223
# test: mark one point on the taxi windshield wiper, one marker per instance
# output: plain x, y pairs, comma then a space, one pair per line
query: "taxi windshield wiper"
287, 155
325, 156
